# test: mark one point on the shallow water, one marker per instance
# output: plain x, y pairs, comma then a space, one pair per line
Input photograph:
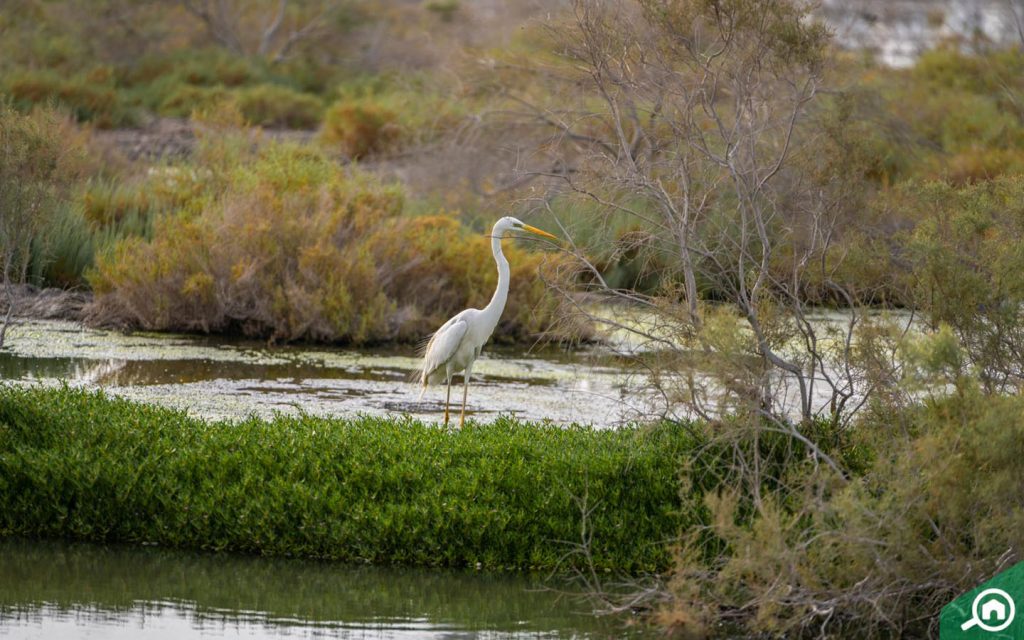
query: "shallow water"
218, 378
62, 591
214, 377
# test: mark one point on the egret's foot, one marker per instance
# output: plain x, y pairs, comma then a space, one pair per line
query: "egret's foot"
462, 420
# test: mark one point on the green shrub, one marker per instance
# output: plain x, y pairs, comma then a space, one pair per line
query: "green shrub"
270, 105
987, 73
383, 113
445, 9
106, 202
200, 68
85, 227
186, 99
967, 254
79, 465
360, 129
64, 249
43, 155
265, 105
90, 97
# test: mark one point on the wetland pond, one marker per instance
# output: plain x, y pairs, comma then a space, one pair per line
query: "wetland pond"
62, 591
51, 590
218, 378
54, 590
214, 377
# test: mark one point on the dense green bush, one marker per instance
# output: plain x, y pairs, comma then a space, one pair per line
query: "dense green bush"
378, 115
185, 99
80, 465
90, 96
271, 105
265, 105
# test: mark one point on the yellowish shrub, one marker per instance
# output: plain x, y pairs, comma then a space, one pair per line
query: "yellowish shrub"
359, 129
296, 249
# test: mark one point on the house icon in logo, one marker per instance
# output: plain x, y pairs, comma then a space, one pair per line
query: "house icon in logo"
993, 608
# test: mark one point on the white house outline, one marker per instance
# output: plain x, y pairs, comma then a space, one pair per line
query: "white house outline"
993, 606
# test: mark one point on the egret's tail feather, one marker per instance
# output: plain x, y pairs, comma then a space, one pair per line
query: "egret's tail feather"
416, 375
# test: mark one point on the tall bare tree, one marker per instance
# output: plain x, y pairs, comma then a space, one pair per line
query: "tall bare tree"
683, 120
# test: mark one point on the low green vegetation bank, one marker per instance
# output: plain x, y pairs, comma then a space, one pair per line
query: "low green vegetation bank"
81, 465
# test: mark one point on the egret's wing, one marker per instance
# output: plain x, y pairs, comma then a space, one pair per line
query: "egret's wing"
442, 346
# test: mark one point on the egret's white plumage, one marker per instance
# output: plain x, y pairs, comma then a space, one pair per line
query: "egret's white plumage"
457, 344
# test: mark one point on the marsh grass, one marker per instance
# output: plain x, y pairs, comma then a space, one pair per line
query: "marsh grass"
81, 465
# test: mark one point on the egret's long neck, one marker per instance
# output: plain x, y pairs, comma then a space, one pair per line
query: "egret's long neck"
497, 304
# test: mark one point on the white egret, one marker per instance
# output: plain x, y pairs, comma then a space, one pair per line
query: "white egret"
457, 344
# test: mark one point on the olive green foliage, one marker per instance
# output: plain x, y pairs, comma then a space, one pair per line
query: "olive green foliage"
272, 105
52, 55
967, 257
373, 116
283, 243
935, 511
886, 137
42, 156
63, 250
953, 115
359, 129
923, 504
627, 253
265, 105
80, 465
100, 212
186, 99
90, 96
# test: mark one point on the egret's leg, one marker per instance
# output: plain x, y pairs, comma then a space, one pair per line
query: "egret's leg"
465, 390
447, 399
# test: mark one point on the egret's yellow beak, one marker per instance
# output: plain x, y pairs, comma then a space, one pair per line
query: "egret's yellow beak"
527, 227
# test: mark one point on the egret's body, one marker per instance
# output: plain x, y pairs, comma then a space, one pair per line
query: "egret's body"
457, 344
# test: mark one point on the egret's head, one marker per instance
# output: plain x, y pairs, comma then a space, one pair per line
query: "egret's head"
508, 223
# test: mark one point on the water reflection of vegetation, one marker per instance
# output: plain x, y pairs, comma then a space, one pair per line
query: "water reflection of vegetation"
116, 372
237, 587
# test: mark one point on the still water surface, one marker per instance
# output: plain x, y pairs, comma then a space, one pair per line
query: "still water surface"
61, 591
218, 378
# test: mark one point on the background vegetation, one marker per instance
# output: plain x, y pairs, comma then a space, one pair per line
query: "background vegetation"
335, 167
877, 138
